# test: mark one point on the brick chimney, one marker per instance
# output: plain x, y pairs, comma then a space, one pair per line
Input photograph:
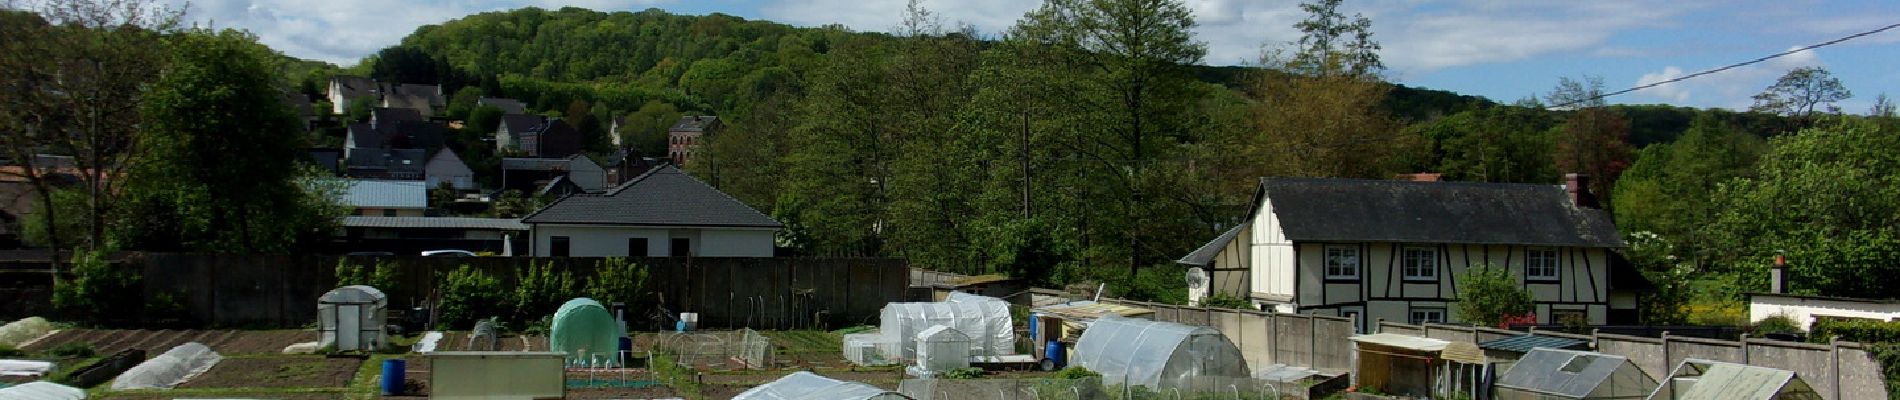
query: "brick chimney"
1578, 186
1778, 277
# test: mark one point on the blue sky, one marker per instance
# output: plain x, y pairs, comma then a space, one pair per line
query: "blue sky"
1501, 49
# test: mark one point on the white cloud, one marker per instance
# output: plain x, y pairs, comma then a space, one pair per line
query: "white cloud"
988, 16
1727, 89
345, 31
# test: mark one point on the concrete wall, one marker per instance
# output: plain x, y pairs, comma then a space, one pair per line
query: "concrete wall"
1803, 310
1264, 339
611, 241
1838, 371
761, 293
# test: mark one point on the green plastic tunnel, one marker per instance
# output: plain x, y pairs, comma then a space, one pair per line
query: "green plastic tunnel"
583, 329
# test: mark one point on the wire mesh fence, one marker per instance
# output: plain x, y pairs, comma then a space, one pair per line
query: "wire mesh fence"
729, 350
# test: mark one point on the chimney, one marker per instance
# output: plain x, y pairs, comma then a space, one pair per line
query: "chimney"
1778, 277
1578, 186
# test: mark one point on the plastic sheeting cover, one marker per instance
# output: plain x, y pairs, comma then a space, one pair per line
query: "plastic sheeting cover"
42, 391
1577, 375
354, 294
809, 386
986, 320
19, 332
583, 329
24, 367
1155, 354
170, 369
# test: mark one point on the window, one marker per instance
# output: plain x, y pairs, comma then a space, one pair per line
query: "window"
557, 246
1342, 262
389, 212
1354, 312
636, 247
1423, 315
1541, 264
682, 247
1421, 264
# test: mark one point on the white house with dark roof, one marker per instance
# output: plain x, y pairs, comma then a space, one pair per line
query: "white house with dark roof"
662, 213
1393, 250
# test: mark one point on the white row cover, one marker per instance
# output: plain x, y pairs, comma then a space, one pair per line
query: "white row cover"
42, 390
985, 320
25, 367
809, 386
19, 332
170, 369
1155, 354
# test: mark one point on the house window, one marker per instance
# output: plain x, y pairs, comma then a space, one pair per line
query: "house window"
1342, 262
1355, 313
1541, 264
1421, 264
636, 247
389, 212
557, 246
682, 247
1569, 317
1424, 315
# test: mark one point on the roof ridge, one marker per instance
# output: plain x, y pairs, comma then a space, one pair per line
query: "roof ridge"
637, 179
722, 193
1406, 182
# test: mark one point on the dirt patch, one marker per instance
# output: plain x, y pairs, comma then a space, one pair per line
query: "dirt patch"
278, 373
154, 342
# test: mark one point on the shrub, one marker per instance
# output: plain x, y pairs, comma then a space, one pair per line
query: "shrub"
469, 294
1882, 338
1223, 300
618, 280
384, 275
1076, 373
9, 351
539, 290
1487, 295
99, 291
72, 350
1776, 324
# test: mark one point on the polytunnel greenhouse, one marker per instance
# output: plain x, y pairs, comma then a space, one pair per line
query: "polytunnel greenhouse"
41, 390
585, 332
1156, 354
169, 369
809, 386
985, 320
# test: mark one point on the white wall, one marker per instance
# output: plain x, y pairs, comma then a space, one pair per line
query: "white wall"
1803, 310
1274, 268
611, 241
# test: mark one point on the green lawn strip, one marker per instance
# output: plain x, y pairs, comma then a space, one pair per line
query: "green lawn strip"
368, 380
681, 379
63, 369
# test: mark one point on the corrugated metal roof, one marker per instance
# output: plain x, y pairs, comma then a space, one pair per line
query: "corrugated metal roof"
1524, 343
509, 224
1403, 341
387, 194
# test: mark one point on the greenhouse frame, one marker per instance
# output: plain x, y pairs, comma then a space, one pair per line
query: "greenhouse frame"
1156, 354
1554, 374
1697, 379
809, 386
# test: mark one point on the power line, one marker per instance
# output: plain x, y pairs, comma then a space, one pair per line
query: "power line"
1730, 66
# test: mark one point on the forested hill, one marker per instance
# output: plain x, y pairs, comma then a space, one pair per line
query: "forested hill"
715, 63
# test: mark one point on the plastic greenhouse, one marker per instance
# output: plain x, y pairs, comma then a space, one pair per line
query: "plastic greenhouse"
1156, 354
173, 367
1551, 374
42, 390
809, 386
351, 318
586, 332
985, 320
940, 349
1697, 379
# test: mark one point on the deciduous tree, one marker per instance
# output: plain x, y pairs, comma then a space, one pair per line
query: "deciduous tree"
1488, 295
1800, 92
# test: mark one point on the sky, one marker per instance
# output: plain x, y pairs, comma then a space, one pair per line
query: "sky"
1504, 50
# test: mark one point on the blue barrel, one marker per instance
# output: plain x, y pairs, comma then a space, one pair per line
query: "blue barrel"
1053, 352
680, 326
393, 376
626, 352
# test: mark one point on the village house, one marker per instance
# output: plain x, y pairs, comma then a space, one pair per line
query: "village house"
663, 213
1394, 250
684, 138
345, 89
533, 175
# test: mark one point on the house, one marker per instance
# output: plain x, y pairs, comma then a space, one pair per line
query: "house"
530, 175
536, 136
663, 213
511, 131
625, 164
387, 198
345, 89
388, 164
1393, 250
411, 235
300, 105
445, 166
686, 135
507, 106
423, 99
329, 160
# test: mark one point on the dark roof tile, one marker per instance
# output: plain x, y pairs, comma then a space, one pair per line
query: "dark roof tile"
1435, 212
664, 196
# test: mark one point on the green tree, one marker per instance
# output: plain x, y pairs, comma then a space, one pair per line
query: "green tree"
1323, 117
222, 175
1667, 191
1493, 144
1828, 198
1331, 43
618, 280
1487, 295
1800, 92
1593, 139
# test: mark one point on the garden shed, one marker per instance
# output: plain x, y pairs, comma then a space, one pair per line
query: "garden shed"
809, 386
986, 322
584, 331
1553, 374
351, 318
941, 348
1697, 379
1156, 354
1417, 366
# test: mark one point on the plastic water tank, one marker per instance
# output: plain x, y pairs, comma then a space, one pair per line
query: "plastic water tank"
393, 375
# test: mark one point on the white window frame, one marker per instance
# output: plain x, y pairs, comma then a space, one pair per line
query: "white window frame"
1427, 270
1542, 264
1414, 315
1343, 272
